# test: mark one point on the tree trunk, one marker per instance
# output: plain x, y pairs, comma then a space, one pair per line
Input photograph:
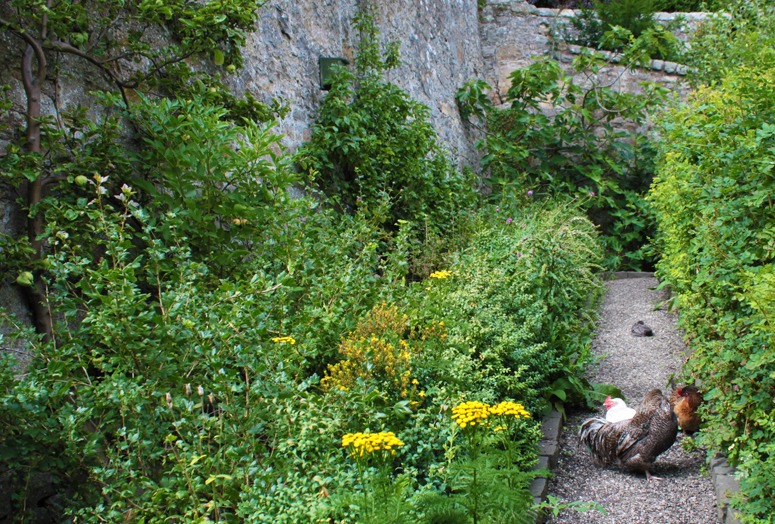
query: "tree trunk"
33, 79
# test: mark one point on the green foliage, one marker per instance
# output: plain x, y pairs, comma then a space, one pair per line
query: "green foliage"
507, 301
482, 484
220, 179
730, 40
373, 148
199, 312
633, 15
690, 6
557, 139
554, 506
713, 199
112, 408
619, 25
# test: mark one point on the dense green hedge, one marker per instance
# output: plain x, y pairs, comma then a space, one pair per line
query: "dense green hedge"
716, 218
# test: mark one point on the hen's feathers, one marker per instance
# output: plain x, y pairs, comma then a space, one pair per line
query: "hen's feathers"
634, 443
617, 410
684, 402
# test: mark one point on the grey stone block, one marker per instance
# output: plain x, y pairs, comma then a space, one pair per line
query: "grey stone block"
543, 462
552, 425
725, 485
548, 448
538, 488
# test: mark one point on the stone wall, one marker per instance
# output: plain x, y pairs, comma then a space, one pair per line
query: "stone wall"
440, 50
443, 44
514, 34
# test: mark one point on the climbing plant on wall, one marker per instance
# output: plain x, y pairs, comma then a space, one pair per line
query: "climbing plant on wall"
555, 137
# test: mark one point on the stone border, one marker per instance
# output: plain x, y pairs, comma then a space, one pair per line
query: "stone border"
725, 484
548, 452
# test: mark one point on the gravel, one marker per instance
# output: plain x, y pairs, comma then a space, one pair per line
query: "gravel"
685, 495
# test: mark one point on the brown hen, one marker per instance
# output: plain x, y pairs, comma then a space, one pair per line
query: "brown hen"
634, 443
684, 402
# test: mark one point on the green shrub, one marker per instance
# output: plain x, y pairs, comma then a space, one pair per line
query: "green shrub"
373, 148
557, 139
506, 304
729, 39
713, 200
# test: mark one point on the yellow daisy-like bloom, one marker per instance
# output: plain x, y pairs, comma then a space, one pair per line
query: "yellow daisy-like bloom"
470, 413
366, 443
282, 340
441, 274
510, 408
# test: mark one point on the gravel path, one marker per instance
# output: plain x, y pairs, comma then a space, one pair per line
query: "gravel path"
636, 365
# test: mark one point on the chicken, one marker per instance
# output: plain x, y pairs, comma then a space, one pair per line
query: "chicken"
617, 410
634, 443
684, 402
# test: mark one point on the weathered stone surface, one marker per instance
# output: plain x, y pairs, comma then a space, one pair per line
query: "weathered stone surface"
725, 485
532, 33
440, 50
552, 425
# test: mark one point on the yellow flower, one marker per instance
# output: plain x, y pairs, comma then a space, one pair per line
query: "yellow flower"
469, 413
365, 443
510, 408
472, 413
441, 274
283, 340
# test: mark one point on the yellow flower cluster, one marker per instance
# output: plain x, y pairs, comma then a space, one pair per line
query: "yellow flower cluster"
365, 443
376, 350
283, 340
473, 412
469, 413
441, 274
510, 408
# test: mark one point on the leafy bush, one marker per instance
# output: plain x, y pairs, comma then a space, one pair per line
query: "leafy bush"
713, 199
726, 40
166, 386
195, 307
620, 25
373, 148
507, 299
556, 139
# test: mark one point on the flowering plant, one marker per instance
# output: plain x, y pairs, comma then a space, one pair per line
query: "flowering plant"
361, 444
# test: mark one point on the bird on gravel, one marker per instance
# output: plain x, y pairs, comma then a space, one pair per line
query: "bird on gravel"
639, 329
684, 402
634, 443
617, 409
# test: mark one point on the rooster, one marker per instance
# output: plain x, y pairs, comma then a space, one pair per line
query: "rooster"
634, 443
617, 410
684, 402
